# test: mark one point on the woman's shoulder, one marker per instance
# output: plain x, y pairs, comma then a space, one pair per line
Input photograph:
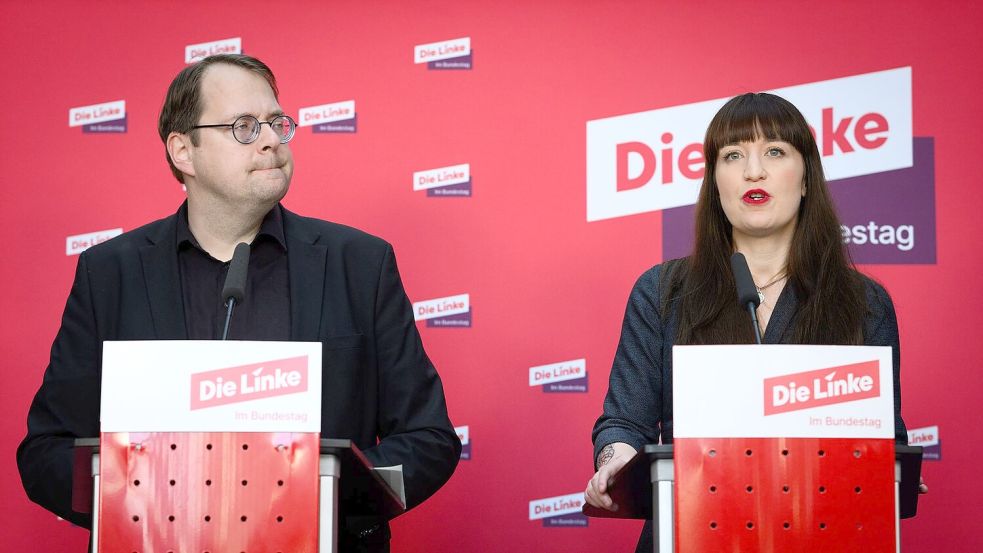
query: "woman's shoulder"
654, 283
879, 301
657, 275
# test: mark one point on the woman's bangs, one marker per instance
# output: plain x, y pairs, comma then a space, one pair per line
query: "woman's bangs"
748, 118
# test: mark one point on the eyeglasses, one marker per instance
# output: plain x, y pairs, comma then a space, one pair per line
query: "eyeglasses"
246, 128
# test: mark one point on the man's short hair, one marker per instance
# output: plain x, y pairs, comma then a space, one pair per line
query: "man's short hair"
183, 104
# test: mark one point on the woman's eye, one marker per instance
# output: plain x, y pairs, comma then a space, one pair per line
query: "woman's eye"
732, 156
775, 152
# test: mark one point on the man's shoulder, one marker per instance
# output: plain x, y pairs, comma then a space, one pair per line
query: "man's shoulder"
329, 233
133, 240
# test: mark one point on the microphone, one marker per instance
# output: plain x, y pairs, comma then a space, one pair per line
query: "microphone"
747, 292
235, 282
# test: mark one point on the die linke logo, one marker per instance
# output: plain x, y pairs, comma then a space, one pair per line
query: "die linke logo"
249, 382
805, 390
464, 434
339, 117
109, 117
453, 181
451, 311
563, 377
881, 177
449, 54
928, 438
559, 511
198, 52
78, 243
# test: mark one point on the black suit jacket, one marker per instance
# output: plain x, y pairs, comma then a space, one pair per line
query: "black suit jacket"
345, 292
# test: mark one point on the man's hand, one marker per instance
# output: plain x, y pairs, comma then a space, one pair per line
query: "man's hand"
609, 461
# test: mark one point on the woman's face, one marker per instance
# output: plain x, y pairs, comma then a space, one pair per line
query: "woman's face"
761, 185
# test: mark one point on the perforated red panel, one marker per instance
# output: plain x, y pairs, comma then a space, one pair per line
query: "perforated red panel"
208, 492
761, 494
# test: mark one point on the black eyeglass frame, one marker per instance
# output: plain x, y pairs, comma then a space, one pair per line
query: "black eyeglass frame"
259, 128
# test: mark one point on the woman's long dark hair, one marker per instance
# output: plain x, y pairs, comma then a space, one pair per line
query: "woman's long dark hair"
830, 292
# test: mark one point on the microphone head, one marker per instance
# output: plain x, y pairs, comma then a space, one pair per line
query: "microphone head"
235, 280
747, 292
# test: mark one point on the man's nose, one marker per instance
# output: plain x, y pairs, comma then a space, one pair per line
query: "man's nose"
267, 139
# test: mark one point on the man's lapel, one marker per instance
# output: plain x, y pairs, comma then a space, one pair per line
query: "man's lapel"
163, 279
306, 264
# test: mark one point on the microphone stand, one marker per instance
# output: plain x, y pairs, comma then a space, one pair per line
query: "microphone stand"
751, 310
232, 303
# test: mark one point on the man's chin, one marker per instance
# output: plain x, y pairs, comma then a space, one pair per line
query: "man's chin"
271, 189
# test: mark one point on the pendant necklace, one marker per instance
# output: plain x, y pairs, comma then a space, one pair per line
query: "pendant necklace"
775, 280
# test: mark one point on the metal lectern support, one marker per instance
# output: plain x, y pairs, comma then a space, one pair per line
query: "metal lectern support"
95, 502
330, 472
662, 499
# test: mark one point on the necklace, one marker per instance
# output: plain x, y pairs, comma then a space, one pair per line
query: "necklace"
775, 280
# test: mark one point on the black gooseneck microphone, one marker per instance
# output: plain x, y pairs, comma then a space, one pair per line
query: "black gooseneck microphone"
235, 282
747, 292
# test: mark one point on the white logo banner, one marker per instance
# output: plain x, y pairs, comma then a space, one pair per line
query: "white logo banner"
653, 160
211, 386
782, 391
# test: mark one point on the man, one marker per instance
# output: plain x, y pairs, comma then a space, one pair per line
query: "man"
309, 280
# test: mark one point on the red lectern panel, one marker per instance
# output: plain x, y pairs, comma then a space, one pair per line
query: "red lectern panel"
208, 492
784, 494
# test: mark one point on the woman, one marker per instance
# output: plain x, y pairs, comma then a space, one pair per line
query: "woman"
764, 195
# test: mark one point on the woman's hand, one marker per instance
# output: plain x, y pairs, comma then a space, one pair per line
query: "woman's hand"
609, 461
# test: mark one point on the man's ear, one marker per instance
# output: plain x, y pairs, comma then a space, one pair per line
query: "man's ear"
179, 147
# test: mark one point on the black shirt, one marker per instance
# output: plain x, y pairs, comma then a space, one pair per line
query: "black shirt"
263, 313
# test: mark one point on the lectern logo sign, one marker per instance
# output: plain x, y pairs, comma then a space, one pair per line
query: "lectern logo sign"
248, 382
794, 392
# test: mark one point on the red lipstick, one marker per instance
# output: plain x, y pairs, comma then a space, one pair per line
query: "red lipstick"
755, 196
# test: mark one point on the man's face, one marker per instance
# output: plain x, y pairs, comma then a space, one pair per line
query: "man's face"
227, 172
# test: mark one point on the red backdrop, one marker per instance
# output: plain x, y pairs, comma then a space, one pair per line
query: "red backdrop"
545, 285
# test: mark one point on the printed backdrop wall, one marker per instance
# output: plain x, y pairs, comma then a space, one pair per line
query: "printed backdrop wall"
528, 160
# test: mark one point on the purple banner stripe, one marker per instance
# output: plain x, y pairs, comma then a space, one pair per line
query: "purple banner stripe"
458, 63
334, 127
461, 320
114, 126
459, 190
576, 520
575, 386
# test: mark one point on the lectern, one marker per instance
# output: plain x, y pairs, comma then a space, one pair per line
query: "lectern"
214, 447
776, 448
278, 508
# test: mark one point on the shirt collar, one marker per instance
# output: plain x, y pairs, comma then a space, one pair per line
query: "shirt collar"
271, 227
